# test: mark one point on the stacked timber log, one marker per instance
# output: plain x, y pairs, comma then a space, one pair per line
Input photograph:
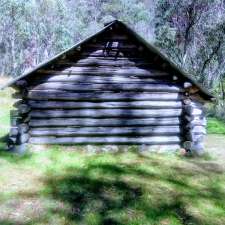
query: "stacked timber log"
111, 88
18, 135
195, 126
107, 92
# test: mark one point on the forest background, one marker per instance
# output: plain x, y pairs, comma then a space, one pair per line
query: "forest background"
190, 32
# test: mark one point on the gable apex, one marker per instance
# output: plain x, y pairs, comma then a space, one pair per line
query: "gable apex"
111, 22
109, 25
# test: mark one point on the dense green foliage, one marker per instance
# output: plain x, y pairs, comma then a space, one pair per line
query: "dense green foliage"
191, 33
34, 30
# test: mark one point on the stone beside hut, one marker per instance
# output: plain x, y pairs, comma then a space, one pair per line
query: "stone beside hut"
112, 88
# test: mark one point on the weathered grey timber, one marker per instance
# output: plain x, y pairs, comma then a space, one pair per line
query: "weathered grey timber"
104, 71
105, 105
101, 96
144, 86
109, 61
106, 113
105, 140
115, 122
73, 132
112, 88
194, 133
113, 79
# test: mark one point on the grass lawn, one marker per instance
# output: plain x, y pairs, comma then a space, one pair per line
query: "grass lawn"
55, 187
215, 126
51, 186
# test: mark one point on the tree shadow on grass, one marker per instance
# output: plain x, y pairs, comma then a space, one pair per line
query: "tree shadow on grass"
124, 194
128, 188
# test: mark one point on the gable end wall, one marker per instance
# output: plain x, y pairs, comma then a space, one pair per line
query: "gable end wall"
110, 91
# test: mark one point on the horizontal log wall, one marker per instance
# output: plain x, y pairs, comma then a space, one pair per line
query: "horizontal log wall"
105, 93
101, 96
115, 122
105, 113
89, 131
105, 105
144, 86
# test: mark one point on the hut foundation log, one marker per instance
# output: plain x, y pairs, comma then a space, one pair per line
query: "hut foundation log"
105, 140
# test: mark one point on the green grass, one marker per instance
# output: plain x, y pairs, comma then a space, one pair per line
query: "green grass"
67, 186
74, 187
215, 126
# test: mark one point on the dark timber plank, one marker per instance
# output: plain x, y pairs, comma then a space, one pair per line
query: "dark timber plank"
105, 131
112, 122
114, 37
111, 45
106, 113
108, 87
105, 71
101, 96
112, 62
113, 79
112, 105
127, 61
113, 52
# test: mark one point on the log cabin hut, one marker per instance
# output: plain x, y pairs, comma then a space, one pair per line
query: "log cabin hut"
112, 88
